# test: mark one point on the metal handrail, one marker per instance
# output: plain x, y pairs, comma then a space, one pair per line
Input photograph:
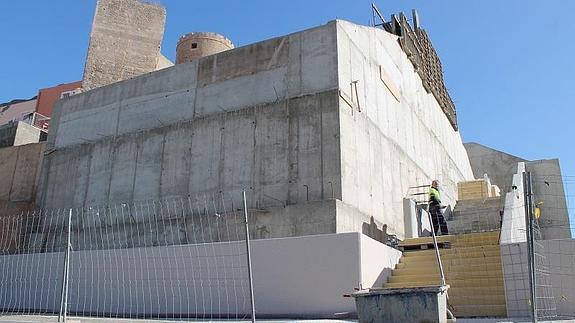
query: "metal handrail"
438, 256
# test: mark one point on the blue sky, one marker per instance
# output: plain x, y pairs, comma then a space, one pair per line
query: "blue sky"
508, 64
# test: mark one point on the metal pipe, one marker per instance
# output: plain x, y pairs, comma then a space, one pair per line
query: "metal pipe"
65, 280
527, 189
420, 186
250, 275
437, 254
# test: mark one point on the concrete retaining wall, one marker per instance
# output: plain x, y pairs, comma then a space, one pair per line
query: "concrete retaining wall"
394, 134
547, 184
232, 121
273, 118
19, 168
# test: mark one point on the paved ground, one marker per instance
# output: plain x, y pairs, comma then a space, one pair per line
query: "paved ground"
35, 319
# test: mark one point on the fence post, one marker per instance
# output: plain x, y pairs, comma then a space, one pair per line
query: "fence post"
528, 194
66, 276
252, 301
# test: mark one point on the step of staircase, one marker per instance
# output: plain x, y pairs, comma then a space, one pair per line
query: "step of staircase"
471, 283
404, 275
453, 259
487, 250
453, 241
455, 266
472, 268
470, 299
476, 215
479, 204
480, 311
469, 225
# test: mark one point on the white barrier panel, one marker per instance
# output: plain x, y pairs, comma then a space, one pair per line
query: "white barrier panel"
293, 277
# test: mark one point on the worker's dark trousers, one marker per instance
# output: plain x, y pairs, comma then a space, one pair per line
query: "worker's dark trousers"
438, 220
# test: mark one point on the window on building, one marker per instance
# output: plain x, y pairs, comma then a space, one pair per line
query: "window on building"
194, 45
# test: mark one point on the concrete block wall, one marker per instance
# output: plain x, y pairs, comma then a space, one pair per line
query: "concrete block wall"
390, 140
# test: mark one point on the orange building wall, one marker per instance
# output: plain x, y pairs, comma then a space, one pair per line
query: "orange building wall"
48, 96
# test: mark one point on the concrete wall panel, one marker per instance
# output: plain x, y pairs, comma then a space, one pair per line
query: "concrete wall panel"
149, 164
375, 271
271, 168
250, 75
561, 257
237, 152
19, 176
397, 144
8, 160
29, 159
26, 134
548, 188
205, 156
547, 184
308, 182
145, 113
101, 161
176, 162
122, 175
247, 60
268, 118
318, 52
86, 126
242, 92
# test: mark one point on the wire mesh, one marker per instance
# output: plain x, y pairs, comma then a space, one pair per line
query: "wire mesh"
176, 258
545, 300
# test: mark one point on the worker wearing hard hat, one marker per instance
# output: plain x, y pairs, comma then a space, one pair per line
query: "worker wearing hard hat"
435, 209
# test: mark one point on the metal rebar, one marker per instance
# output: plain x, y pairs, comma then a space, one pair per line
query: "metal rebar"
375, 11
249, 258
332, 192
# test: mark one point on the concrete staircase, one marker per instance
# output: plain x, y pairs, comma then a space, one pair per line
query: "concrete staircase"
472, 266
476, 216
